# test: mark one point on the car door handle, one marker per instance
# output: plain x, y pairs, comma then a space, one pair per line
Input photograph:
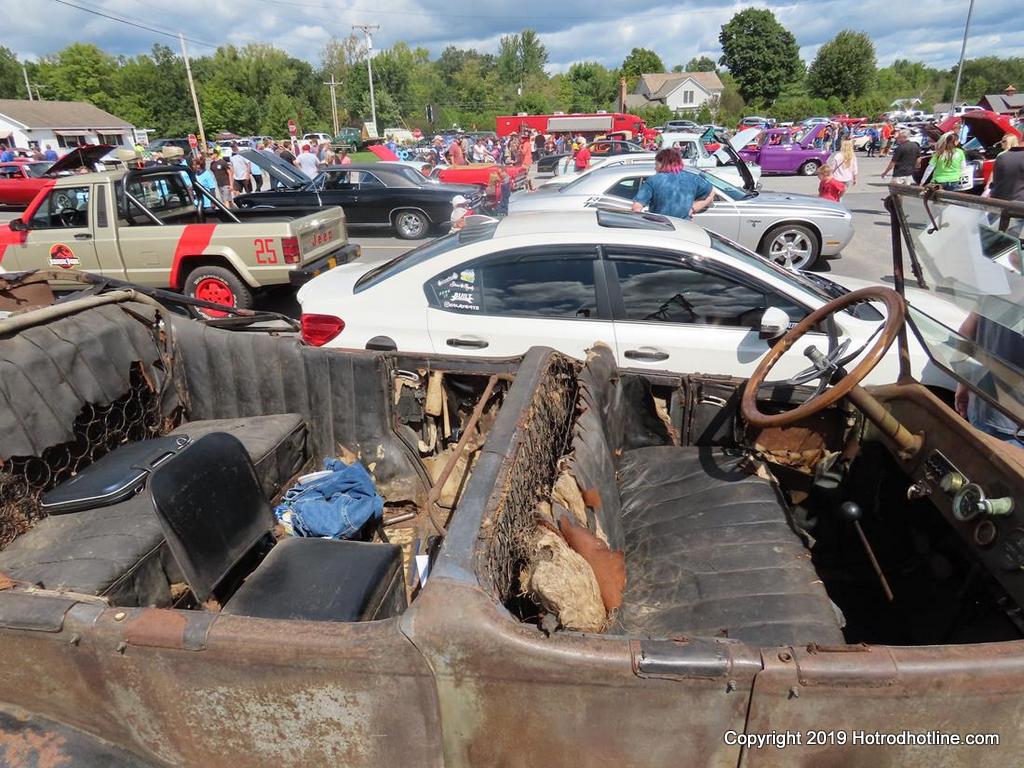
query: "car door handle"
651, 355
467, 343
83, 236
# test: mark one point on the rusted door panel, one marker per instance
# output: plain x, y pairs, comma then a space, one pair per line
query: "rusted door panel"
850, 695
512, 697
262, 693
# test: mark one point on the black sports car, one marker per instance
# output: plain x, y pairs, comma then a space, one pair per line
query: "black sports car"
372, 194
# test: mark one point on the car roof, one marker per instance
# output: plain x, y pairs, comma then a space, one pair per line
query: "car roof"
585, 225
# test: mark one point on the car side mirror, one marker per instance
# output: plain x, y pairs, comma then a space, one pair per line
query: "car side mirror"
17, 225
774, 323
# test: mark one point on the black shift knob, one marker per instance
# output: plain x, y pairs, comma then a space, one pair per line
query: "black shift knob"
850, 511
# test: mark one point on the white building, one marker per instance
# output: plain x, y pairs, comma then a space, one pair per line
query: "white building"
681, 92
61, 124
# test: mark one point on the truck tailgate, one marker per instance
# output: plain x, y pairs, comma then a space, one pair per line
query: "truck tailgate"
320, 233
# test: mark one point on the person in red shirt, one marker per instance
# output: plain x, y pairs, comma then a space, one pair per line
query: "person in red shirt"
829, 188
582, 159
455, 154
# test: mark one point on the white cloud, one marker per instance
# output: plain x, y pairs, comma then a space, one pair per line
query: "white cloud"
578, 30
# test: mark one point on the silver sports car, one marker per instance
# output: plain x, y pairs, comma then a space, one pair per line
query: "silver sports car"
791, 229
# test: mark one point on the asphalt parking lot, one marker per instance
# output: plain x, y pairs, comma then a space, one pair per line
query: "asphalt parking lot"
866, 257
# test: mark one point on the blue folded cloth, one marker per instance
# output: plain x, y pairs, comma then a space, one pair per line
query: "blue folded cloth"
334, 506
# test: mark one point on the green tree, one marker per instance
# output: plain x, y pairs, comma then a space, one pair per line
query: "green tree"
844, 67
701, 64
12, 82
588, 86
521, 56
80, 72
640, 61
760, 53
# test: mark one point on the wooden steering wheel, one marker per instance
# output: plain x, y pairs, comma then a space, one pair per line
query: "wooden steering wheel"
825, 367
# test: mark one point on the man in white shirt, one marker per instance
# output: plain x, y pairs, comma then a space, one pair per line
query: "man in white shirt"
307, 162
241, 172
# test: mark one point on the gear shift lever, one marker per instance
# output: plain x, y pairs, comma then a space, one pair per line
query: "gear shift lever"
851, 512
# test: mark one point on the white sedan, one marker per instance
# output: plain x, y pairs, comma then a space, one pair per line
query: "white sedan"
664, 293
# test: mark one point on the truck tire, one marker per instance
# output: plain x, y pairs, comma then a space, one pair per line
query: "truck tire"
219, 285
809, 168
410, 224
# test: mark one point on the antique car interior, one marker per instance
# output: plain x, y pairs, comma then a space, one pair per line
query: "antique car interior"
152, 483
777, 514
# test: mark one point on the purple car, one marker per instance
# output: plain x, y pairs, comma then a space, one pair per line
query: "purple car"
782, 151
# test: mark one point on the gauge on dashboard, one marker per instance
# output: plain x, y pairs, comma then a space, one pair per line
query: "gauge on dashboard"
969, 502
1013, 550
985, 533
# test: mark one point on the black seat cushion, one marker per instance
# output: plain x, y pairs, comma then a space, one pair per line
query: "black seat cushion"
116, 552
211, 508
324, 580
710, 551
277, 444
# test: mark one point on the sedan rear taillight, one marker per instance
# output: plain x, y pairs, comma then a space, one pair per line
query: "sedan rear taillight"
317, 330
290, 250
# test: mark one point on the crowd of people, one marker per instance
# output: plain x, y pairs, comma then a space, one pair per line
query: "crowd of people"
515, 149
225, 172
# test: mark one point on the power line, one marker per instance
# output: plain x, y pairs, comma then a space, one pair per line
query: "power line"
133, 23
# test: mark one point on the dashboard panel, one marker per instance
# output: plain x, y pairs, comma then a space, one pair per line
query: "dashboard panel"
975, 481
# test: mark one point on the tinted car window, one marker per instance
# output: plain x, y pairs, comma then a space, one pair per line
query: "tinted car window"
654, 291
626, 188
545, 288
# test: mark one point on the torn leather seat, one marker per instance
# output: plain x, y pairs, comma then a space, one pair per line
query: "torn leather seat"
709, 551
277, 444
116, 552
709, 547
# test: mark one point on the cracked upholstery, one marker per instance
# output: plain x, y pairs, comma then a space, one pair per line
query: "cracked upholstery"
115, 552
709, 547
709, 551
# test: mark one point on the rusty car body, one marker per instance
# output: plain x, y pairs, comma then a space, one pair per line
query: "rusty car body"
829, 594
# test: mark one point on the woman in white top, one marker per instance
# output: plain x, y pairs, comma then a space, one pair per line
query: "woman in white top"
844, 164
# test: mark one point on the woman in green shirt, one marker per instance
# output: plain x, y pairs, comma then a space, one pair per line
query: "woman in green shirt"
947, 162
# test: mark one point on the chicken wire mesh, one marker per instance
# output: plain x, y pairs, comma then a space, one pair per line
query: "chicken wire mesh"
98, 429
529, 473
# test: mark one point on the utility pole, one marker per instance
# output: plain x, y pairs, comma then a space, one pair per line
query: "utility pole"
27, 86
334, 103
366, 29
963, 51
192, 87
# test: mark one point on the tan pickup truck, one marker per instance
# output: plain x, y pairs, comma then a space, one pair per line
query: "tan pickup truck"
159, 228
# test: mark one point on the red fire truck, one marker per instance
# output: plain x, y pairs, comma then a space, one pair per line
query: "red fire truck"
588, 124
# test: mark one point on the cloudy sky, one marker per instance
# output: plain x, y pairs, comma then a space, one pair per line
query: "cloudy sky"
576, 30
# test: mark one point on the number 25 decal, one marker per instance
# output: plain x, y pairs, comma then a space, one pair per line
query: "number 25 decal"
265, 253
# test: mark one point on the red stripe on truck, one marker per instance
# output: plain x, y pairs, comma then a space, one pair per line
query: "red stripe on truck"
193, 241
8, 236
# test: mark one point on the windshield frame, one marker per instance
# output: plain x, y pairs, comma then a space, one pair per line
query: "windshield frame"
900, 226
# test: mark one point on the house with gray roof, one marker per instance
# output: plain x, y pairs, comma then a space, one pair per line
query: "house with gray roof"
681, 92
61, 124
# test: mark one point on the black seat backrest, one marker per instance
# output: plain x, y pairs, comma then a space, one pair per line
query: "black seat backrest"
615, 413
211, 507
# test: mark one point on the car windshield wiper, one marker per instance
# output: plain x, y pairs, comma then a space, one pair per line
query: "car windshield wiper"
833, 289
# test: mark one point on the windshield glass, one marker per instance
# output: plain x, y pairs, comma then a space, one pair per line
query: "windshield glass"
969, 252
36, 170
732, 191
